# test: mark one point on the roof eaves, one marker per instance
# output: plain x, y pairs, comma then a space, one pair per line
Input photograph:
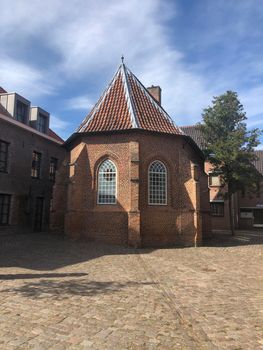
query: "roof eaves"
54, 135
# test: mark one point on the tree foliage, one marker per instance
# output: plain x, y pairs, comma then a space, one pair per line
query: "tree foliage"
229, 145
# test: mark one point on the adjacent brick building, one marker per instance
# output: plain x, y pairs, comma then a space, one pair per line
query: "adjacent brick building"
30, 155
131, 175
247, 207
250, 206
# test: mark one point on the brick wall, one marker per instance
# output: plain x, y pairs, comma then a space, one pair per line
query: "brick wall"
217, 192
18, 181
132, 220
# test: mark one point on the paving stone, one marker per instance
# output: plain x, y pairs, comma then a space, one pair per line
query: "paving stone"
60, 294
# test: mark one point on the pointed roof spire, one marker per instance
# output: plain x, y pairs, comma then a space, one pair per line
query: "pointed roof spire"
122, 59
127, 104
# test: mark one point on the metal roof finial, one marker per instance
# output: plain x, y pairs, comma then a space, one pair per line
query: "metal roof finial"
122, 59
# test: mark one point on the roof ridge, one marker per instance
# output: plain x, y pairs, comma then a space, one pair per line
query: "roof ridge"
153, 101
126, 104
127, 89
197, 125
92, 113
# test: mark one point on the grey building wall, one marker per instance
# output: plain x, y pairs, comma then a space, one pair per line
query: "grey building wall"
17, 182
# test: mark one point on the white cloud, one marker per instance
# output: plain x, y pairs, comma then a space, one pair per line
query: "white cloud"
252, 101
61, 127
88, 37
95, 39
183, 92
57, 123
80, 102
24, 79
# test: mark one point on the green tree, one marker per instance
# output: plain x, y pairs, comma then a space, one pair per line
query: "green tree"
229, 146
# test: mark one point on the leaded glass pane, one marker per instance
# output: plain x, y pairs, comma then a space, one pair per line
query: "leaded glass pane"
107, 183
157, 183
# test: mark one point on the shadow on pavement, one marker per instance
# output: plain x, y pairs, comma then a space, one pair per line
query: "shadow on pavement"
47, 252
241, 238
58, 290
23, 276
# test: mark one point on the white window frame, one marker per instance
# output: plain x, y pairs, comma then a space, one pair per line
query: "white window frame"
98, 183
211, 174
149, 182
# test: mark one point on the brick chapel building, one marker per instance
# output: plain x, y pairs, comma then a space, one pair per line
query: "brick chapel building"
132, 176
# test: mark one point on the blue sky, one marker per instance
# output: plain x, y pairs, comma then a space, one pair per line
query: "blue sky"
61, 55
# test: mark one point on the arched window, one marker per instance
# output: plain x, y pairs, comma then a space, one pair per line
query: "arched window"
157, 183
107, 183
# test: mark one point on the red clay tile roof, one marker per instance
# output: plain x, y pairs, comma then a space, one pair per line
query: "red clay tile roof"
127, 104
55, 136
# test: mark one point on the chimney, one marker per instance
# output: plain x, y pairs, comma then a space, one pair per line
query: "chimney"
156, 93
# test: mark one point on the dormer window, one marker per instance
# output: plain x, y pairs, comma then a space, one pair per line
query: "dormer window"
21, 112
42, 123
39, 119
16, 105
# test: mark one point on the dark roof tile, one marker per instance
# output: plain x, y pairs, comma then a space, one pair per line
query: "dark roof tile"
195, 133
55, 136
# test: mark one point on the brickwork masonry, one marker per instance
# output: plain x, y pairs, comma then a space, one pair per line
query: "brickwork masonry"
132, 221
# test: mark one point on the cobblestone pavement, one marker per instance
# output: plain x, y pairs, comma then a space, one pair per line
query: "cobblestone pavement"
61, 294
